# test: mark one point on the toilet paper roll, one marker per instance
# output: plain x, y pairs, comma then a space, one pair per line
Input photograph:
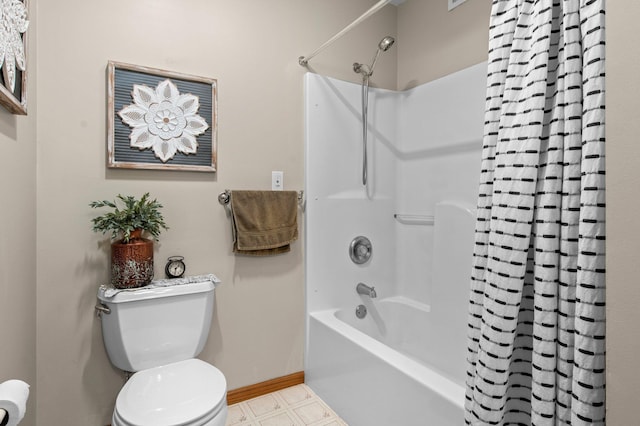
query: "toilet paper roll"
13, 399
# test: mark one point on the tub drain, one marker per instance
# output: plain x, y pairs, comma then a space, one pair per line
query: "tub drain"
361, 311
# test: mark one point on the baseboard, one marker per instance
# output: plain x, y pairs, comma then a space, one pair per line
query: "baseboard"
247, 392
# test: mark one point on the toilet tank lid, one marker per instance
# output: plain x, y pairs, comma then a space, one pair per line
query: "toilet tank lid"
153, 291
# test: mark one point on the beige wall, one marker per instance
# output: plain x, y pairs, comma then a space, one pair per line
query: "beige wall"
18, 238
434, 42
251, 47
623, 205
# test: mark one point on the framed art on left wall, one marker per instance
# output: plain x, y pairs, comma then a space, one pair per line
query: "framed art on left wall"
160, 120
13, 55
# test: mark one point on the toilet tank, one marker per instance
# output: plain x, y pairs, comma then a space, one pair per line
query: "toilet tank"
150, 327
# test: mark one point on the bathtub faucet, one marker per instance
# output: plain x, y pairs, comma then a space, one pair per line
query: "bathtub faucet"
362, 288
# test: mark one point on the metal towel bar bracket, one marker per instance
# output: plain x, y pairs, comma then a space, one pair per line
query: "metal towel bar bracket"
225, 197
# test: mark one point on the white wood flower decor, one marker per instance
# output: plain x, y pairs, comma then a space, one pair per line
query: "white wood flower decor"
160, 120
13, 26
164, 120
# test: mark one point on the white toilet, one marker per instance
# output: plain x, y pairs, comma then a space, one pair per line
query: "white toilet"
156, 333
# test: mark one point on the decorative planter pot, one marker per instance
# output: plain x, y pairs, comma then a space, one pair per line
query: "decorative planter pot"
132, 262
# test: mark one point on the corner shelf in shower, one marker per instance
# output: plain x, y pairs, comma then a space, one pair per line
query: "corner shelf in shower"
414, 219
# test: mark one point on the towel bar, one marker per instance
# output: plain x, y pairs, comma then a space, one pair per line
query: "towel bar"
225, 196
414, 219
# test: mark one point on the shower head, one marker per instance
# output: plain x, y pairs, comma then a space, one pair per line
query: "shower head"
386, 43
367, 71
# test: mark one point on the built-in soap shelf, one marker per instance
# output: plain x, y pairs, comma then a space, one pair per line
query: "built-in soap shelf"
414, 219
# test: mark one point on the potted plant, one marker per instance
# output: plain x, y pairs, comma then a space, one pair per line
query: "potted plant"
132, 254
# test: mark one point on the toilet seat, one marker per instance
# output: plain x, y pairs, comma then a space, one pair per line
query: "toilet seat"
189, 392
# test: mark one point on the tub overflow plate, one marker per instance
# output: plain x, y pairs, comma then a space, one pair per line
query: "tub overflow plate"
360, 250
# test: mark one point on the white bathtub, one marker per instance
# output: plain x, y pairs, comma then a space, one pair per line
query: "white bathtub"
394, 367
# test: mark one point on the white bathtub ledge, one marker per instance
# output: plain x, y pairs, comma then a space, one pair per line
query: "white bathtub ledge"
410, 302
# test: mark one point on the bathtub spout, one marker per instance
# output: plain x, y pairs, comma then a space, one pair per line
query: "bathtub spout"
362, 288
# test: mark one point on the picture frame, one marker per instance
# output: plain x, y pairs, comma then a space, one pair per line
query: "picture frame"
160, 120
13, 78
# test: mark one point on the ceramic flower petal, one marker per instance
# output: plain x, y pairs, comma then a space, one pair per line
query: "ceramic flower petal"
133, 115
164, 150
19, 16
188, 103
187, 144
18, 47
196, 125
143, 95
3, 48
167, 91
141, 138
9, 70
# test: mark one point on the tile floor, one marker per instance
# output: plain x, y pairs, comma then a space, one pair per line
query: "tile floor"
294, 406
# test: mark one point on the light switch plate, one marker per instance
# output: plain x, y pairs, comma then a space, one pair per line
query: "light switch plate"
277, 181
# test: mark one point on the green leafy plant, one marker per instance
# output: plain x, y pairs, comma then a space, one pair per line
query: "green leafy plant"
134, 214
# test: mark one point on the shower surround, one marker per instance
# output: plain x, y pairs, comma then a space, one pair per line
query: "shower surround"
404, 362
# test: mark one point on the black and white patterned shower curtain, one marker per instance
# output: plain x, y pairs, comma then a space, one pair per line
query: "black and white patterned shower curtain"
536, 346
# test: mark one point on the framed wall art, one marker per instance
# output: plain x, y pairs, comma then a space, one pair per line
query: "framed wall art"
160, 120
13, 55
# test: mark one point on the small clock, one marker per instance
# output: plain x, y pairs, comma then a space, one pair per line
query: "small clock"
175, 267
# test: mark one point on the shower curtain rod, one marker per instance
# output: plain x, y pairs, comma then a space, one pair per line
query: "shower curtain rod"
304, 60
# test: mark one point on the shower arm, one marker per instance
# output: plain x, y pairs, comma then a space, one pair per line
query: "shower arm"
304, 60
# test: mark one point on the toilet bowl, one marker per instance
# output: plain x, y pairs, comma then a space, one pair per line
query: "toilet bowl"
157, 333
189, 392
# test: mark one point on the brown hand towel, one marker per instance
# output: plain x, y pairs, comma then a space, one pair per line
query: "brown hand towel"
264, 222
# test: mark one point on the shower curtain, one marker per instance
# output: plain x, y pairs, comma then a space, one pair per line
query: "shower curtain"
536, 347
